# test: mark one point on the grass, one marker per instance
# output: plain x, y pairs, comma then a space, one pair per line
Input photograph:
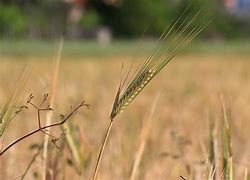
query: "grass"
78, 49
144, 134
49, 114
227, 153
193, 85
15, 89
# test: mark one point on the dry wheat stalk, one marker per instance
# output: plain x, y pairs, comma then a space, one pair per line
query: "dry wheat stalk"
8, 111
246, 174
227, 155
144, 135
180, 33
51, 102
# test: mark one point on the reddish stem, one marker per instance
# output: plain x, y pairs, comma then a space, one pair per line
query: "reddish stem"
42, 128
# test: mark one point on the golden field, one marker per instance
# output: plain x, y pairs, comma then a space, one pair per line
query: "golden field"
176, 142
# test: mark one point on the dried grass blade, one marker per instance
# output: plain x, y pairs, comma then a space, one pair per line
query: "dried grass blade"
19, 82
49, 113
227, 156
143, 138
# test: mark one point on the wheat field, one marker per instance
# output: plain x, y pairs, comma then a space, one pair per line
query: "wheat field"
177, 138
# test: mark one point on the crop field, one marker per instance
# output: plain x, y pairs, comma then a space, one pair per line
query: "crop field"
165, 133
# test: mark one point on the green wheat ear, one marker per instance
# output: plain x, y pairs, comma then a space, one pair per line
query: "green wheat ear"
180, 34
7, 113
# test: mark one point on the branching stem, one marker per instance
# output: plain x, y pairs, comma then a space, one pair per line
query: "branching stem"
42, 128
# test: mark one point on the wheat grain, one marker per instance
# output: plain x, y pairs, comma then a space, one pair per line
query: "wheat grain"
152, 65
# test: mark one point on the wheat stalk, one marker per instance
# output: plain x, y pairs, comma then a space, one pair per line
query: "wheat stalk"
8, 113
246, 174
144, 135
181, 33
227, 155
51, 102
212, 149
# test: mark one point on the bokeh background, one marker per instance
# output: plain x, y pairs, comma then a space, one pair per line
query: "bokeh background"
94, 19
98, 36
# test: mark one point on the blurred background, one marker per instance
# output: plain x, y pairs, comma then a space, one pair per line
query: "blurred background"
98, 36
29, 27
34, 24
105, 20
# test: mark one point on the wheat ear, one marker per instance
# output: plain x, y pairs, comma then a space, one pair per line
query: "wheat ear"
181, 33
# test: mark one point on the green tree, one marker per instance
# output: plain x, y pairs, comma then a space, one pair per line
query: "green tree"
12, 21
132, 17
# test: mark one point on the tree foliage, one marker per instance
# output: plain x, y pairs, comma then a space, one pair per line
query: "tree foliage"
12, 20
126, 18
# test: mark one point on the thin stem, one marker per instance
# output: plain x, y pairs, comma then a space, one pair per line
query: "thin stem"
42, 128
31, 162
39, 122
99, 159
